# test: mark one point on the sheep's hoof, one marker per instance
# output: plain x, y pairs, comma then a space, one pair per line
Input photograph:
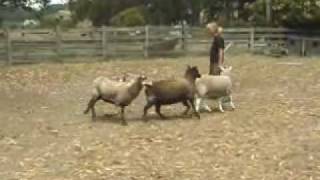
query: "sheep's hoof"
110, 115
163, 117
197, 115
208, 109
124, 123
145, 119
94, 119
187, 116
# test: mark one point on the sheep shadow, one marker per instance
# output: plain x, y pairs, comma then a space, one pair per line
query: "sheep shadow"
113, 119
168, 118
116, 119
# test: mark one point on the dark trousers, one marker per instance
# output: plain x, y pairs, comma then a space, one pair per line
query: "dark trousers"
214, 69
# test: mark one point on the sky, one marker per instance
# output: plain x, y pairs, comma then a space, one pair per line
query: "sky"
58, 1
36, 6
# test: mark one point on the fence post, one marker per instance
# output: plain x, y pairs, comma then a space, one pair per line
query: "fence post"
303, 47
183, 34
104, 42
58, 41
146, 42
252, 34
9, 46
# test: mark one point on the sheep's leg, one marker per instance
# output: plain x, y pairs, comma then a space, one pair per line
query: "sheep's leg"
194, 108
146, 108
185, 103
198, 104
220, 104
123, 120
158, 111
206, 106
91, 105
93, 113
231, 103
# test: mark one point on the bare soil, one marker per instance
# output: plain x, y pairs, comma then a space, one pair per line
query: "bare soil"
273, 134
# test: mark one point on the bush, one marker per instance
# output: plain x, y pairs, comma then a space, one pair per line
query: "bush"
129, 17
53, 21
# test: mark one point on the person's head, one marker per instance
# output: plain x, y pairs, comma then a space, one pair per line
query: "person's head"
214, 28
220, 30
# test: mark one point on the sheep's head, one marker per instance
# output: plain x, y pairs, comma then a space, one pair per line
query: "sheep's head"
225, 71
141, 78
192, 72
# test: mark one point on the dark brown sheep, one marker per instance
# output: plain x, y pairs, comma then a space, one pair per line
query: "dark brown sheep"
172, 91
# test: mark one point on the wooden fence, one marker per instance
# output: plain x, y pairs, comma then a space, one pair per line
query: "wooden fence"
41, 44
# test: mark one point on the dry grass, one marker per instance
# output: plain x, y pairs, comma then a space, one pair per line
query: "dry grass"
274, 133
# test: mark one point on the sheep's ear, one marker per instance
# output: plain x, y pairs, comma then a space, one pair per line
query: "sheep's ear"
147, 84
221, 68
143, 77
188, 66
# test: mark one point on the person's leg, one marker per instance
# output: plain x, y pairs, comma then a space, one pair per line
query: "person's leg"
211, 68
216, 69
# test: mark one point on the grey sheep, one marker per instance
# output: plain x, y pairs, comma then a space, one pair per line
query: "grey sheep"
118, 93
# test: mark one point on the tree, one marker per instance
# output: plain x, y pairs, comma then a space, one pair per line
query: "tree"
99, 11
26, 4
129, 17
291, 13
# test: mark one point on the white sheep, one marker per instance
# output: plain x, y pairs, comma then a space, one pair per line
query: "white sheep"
214, 87
118, 93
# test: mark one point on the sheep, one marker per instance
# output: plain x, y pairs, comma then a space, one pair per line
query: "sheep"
172, 91
119, 93
214, 87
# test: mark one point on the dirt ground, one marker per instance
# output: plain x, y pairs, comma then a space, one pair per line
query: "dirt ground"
273, 134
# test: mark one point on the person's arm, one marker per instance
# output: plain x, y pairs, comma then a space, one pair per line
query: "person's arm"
221, 51
212, 52
221, 56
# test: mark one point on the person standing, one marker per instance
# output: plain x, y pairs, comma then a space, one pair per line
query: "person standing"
217, 48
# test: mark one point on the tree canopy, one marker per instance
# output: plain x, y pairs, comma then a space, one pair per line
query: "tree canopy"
26, 4
293, 13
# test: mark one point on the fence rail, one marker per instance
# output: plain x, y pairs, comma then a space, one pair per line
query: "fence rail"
141, 41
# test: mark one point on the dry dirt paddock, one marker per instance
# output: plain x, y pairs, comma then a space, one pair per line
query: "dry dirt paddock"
273, 134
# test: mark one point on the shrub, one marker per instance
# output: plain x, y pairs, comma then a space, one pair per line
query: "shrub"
129, 17
62, 18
